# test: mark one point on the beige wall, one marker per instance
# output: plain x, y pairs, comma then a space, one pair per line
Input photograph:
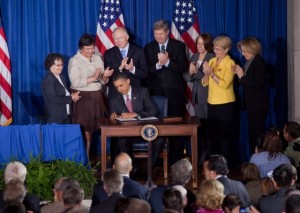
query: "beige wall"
293, 50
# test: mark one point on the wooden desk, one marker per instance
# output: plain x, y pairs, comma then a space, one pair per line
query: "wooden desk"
180, 127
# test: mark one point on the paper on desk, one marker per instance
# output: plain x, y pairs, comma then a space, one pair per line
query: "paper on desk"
126, 119
148, 118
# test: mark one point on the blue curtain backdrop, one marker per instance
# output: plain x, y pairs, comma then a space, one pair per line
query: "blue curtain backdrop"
35, 28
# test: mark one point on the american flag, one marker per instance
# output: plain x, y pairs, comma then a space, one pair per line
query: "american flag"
5, 81
185, 27
110, 18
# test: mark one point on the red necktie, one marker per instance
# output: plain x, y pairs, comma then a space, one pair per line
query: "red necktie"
129, 103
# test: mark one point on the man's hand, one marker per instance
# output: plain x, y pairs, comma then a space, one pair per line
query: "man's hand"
129, 66
113, 116
123, 63
163, 58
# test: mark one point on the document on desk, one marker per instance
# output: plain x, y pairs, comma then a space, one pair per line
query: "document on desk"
148, 119
126, 119
135, 119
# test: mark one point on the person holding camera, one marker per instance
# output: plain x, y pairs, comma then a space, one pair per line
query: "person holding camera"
291, 134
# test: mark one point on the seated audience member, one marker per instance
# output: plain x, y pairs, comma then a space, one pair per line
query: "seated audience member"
131, 188
14, 207
137, 206
183, 193
181, 173
172, 199
112, 184
210, 197
291, 132
253, 182
284, 177
72, 197
215, 167
14, 191
58, 205
231, 204
16, 170
292, 204
271, 156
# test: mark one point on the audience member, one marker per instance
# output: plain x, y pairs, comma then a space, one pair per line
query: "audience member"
58, 204
87, 75
181, 173
167, 61
172, 199
56, 92
72, 197
16, 170
127, 58
231, 204
183, 193
292, 204
14, 207
194, 75
284, 177
253, 182
210, 197
215, 167
112, 184
271, 156
291, 132
131, 188
137, 206
254, 79
221, 101
14, 191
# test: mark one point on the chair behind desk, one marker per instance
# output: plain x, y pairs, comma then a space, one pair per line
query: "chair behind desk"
140, 150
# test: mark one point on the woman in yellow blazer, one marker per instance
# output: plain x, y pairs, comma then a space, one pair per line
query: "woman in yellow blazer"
221, 100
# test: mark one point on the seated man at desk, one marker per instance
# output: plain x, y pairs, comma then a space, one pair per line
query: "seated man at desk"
132, 102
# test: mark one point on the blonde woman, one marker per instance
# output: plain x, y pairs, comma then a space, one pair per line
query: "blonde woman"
210, 197
221, 100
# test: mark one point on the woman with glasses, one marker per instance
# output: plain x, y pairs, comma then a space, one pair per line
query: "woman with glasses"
221, 100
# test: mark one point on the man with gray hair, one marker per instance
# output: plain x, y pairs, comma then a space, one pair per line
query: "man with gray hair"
17, 171
112, 184
181, 173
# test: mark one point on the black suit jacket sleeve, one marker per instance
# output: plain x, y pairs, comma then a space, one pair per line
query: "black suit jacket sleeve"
141, 103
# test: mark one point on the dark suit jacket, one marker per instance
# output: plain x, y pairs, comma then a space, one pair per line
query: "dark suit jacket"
141, 103
235, 187
107, 206
31, 202
131, 188
255, 84
156, 199
167, 81
113, 58
55, 98
274, 203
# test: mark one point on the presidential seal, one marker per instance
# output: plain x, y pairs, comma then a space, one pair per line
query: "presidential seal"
149, 132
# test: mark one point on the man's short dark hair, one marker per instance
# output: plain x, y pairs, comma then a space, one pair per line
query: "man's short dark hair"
138, 205
284, 174
172, 199
86, 40
72, 195
14, 207
292, 204
218, 164
51, 58
293, 128
119, 76
231, 201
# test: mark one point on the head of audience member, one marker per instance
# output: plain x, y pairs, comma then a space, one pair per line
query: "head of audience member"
272, 144
222, 45
54, 62
161, 31
122, 83
210, 195
215, 165
170, 211
204, 43
86, 45
72, 196
292, 204
183, 193
138, 205
181, 172
60, 185
292, 191
14, 191
122, 204
259, 144
250, 172
121, 37
284, 176
291, 131
15, 170
231, 204
172, 199
249, 47
15, 207
112, 181
123, 163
